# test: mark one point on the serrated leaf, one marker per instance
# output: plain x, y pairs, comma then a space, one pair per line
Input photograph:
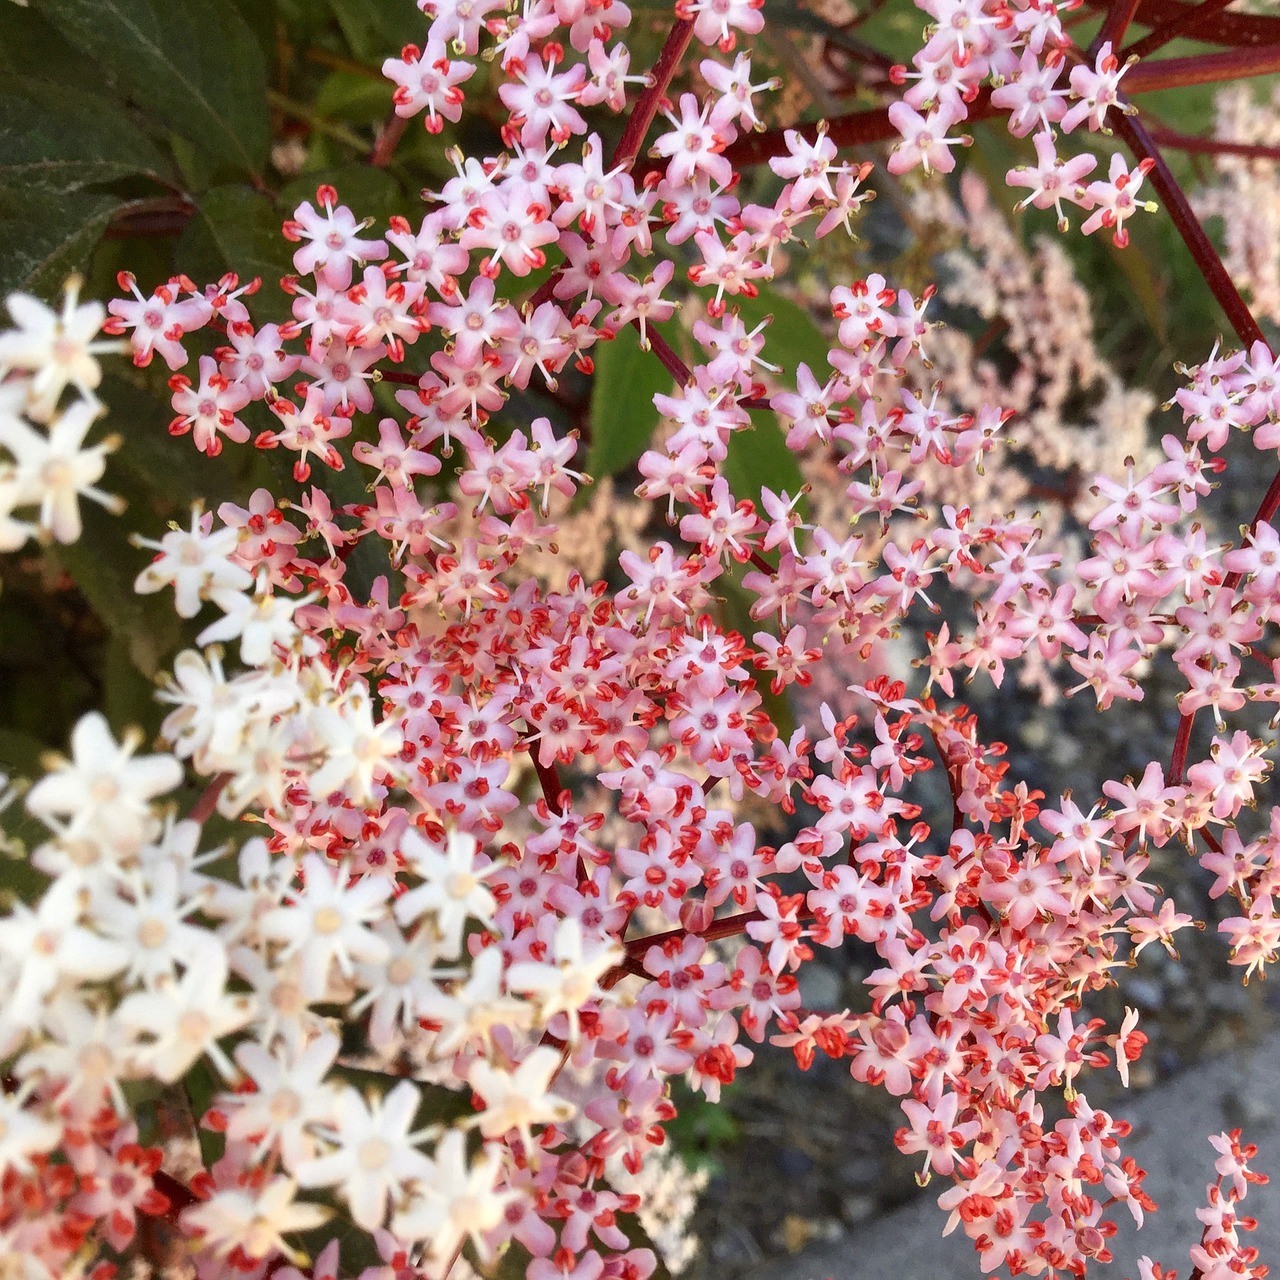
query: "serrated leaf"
623, 417
195, 65
238, 229
44, 238
61, 139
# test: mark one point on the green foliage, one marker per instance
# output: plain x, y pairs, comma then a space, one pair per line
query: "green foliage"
238, 229
623, 416
195, 66
45, 237
58, 139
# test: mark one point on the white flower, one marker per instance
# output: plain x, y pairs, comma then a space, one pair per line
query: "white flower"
570, 978
54, 471
185, 1019
153, 927
289, 1095
47, 944
327, 920
104, 790
24, 1132
81, 1052
57, 350
405, 989
376, 1154
284, 1012
471, 1011
194, 564
453, 887
355, 749
263, 621
13, 533
257, 1222
519, 1099
457, 1203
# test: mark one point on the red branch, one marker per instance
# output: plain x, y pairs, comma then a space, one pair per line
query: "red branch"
727, 927
1185, 22
548, 780
1204, 68
1214, 27
860, 127
388, 139
1216, 276
203, 808
1212, 146
1116, 23
646, 107
633, 135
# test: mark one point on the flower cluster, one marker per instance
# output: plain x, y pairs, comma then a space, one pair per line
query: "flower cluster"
49, 466
505, 886
1023, 51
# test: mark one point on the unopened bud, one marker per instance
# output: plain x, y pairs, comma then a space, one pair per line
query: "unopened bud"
696, 916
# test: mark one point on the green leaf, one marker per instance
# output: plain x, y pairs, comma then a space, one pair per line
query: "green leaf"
238, 229
368, 192
20, 754
194, 64
44, 237
30, 46
61, 139
357, 99
759, 456
168, 467
793, 334
623, 417
375, 29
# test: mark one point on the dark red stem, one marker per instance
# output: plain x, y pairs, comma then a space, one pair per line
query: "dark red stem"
548, 780
727, 927
860, 127
203, 808
1216, 276
1116, 23
1171, 30
1204, 68
646, 107
388, 139
1213, 146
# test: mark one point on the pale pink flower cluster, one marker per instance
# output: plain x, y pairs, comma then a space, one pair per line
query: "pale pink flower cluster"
1021, 49
1247, 196
446, 986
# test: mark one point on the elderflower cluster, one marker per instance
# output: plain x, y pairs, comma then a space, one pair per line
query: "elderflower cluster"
45, 465
1247, 195
1022, 51
501, 811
